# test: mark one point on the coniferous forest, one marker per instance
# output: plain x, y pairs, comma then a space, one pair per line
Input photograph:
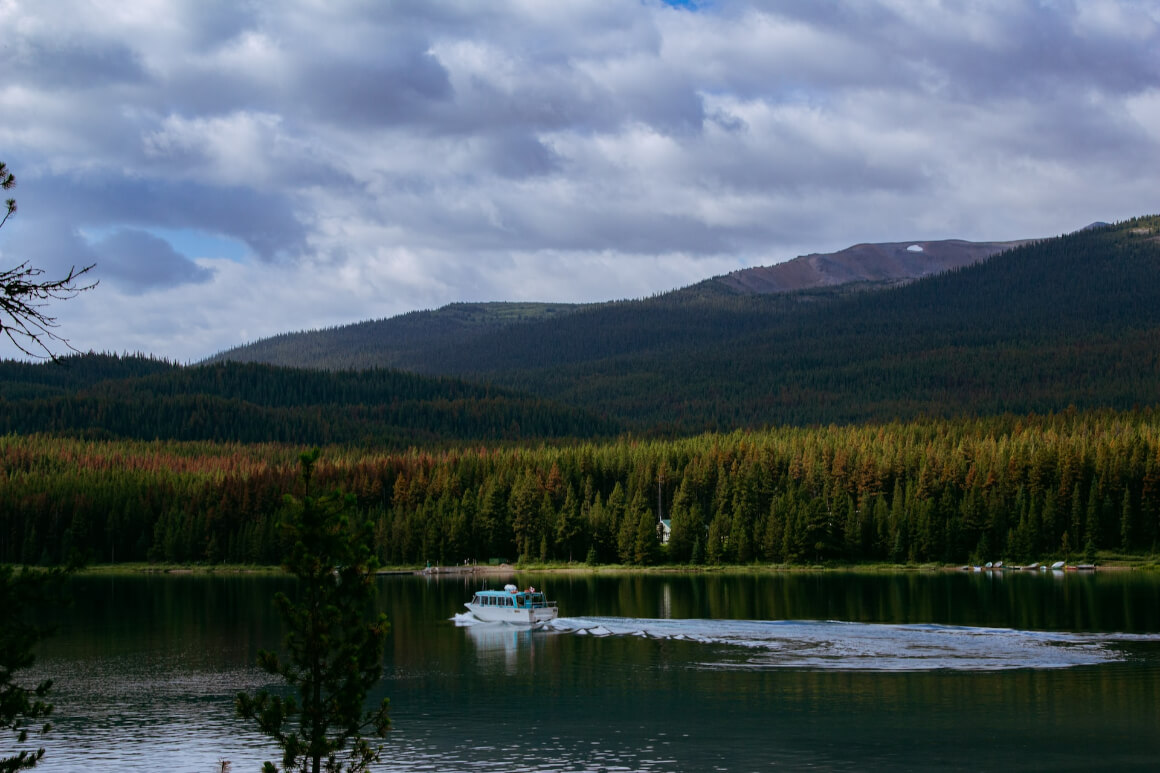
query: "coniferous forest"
1002, 411
1016, 488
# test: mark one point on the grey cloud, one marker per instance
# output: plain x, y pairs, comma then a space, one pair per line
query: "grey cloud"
553, 35
134, 260
669, 104
393, 87
266, 222
397, 83
587, 66
623, 225
139, 261
205, 91
71, 65
1037, 47
400, 138
209, 23
1097, 132
46, 244
517, 155
1030, 48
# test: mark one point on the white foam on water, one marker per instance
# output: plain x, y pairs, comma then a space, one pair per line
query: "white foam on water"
835, 645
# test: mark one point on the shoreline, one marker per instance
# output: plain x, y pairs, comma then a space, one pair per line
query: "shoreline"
1143, 564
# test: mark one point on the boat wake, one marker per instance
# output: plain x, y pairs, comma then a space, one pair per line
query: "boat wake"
831, 645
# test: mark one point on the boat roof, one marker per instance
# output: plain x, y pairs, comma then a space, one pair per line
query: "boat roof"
508, 593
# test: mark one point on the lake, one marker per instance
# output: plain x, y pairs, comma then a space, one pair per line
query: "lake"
1036, 671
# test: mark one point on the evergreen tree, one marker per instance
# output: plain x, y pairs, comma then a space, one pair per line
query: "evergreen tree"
626, 538
648, 546
685, 524
717, 544
698, 556
568, 526
1077, 515
1127, 522
1092, 532
524, 509
492, 522
22, 707
629, 521
334, 642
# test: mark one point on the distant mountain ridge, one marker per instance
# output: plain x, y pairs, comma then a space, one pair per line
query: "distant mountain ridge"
1039, 326
1046, 326
407, 341
888, 262
403, 342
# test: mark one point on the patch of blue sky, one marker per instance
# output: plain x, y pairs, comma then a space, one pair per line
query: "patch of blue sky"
190, 242
688, 5
199, 244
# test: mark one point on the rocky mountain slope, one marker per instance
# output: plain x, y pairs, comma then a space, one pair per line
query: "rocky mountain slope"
889, 263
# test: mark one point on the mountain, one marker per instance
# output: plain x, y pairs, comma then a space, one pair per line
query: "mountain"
887, 263
398, 342
407, 341
1072, 320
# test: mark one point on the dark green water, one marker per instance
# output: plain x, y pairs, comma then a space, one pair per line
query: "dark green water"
949, 671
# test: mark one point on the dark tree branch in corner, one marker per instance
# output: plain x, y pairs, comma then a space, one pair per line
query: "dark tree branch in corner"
24, 296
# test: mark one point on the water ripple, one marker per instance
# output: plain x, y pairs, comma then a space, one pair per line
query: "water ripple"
832, 645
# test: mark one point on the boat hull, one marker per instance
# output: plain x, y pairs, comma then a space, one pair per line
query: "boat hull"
514, 615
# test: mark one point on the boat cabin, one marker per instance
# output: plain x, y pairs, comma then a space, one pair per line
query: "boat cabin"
510, 598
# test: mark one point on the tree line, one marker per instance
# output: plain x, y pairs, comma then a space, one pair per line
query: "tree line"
934, 490
98, 395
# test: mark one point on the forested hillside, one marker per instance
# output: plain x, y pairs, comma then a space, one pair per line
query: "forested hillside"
134, 397
398, 342
1030, 488
1073, 320
405, 341
1067, 321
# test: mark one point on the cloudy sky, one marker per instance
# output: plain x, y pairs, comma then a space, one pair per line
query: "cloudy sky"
238, 169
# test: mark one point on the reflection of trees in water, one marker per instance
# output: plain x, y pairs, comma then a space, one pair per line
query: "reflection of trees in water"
624, 693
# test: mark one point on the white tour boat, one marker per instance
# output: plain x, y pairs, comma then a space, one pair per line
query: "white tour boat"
511, 605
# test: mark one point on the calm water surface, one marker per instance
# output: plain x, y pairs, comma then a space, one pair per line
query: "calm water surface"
952, 671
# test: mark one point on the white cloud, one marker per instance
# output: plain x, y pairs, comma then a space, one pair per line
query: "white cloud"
378, 158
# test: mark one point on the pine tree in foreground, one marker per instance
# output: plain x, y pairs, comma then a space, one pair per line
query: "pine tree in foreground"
22, 707
334, 642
